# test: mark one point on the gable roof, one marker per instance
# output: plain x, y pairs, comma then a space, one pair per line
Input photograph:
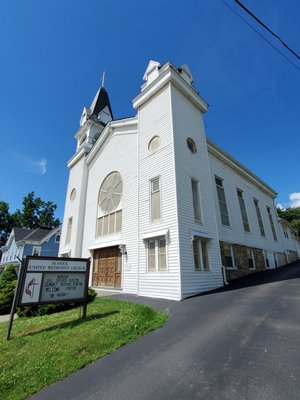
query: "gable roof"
35, 235
101, 101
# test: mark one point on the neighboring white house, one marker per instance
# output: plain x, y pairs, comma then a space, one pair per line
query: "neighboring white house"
157, 206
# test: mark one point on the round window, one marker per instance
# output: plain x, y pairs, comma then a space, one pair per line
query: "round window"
154, 143
191, 145
110, 192
73, 195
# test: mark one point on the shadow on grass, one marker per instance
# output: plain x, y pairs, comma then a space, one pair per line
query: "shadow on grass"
69, 324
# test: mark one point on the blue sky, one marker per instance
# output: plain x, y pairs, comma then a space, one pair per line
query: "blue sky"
54, 53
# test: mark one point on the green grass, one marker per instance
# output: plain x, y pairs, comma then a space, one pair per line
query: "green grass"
43, 350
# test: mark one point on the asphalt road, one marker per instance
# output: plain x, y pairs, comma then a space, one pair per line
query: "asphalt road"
241, 343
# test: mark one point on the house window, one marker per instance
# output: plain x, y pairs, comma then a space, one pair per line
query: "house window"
222, 201
259, 218
36, 250
228, 258
243, 210
157, 254
196, 200
69, 230
272, 224
200, 254
154, 143
110, 193
110, 224
155, 200
57, 238
191, 145
251, 263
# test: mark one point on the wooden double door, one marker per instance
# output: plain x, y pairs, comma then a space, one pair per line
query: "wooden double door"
107, 267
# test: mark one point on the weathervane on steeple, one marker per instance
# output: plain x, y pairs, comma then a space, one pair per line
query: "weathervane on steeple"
103, 78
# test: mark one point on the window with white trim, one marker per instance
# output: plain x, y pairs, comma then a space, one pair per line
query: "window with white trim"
196, 200
222, 201
259, 218
200, 254
155, 200
228, 256
36, 250
243, 210
57, 238
251, 261
69, 230
157, 254
272, 224
110, 224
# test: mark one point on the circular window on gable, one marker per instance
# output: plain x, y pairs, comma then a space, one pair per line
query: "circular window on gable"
191, 145
154, 143
73, 195
110, 192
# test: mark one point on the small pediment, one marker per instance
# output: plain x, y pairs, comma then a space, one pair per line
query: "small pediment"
85, 115
152, 71
185, 72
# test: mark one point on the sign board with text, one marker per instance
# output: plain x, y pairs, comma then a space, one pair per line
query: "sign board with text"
54, 280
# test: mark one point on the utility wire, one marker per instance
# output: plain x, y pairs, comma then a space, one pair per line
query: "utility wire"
268, 29
265, 39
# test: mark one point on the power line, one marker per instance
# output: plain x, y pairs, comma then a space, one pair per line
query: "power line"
265, 39
268, 29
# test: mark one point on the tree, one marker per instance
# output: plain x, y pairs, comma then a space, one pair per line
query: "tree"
291, 215
36, 213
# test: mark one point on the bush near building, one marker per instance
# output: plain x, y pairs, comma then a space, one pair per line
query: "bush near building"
8, 280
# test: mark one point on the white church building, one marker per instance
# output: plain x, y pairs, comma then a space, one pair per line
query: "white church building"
161, 210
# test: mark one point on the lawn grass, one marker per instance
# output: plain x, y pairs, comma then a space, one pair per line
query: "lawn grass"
43, 350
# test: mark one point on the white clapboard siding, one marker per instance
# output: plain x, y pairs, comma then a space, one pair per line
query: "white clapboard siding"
118, 153
188, 122
75, 209
235, 232
155, 119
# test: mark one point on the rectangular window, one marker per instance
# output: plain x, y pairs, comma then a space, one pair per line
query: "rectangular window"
243, 210
200, 255
157, 255
196, 200
222, 201
109, 224
155, 200
69, 230
228, 258
259, 218
36, 250
272, 224
251, 264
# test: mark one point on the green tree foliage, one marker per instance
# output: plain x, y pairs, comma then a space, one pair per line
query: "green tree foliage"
36, 213
8, 280
291, 215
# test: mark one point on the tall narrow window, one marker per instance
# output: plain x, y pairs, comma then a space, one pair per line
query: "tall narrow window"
69, 230
259, 218
157, 254
200, 255
251, 264
272, 224
243, 210
155, 200
222, 201
196, 200
227, 255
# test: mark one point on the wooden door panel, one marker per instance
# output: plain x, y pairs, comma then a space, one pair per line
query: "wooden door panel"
107, 267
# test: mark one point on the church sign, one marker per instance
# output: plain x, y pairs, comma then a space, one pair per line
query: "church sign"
50, 280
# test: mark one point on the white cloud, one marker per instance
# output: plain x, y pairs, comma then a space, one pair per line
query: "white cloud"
295, 199
30, 165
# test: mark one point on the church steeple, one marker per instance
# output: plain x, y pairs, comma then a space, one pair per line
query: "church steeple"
94, 119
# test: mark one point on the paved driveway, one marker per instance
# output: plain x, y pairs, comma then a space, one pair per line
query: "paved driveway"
234, 344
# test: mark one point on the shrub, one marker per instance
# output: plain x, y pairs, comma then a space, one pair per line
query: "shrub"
8, 280
35, 311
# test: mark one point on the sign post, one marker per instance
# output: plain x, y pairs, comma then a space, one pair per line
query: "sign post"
50, 280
